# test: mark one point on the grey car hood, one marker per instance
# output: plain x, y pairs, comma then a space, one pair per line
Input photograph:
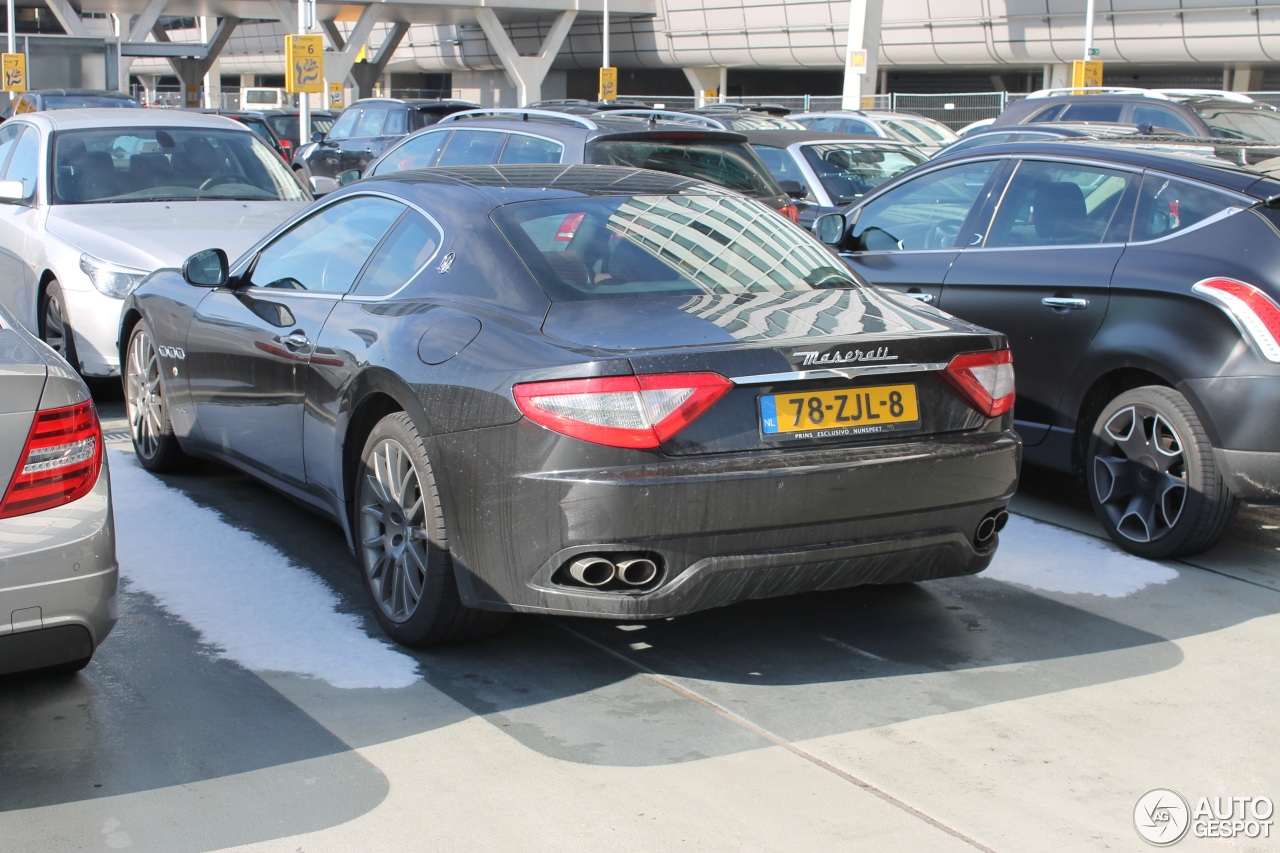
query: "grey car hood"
151, 235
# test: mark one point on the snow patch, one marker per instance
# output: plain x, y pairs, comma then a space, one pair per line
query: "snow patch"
1051, 558
246, 599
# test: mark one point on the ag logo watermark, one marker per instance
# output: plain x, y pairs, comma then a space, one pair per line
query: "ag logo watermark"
1162, 817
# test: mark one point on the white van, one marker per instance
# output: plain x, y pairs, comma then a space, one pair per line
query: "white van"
254, 98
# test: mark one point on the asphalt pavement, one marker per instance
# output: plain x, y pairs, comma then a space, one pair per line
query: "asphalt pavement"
247, 701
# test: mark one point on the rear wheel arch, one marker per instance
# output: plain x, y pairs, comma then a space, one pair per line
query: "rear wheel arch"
1103, 390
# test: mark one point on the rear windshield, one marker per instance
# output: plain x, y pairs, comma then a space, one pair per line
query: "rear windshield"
72, 102
728, 164
848, 170
620, 246
1253, 125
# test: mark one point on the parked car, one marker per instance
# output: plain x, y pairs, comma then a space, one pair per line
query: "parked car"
67, 99
1030, 132
285, 124
58, 570
264, 98
743, 120
824, 172
1138, 287
257, 122
581, 106
481, 137
1190, 112
509, 384
362, 132
93, 200
925, 133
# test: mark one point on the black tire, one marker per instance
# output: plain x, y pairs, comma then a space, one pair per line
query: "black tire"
1152, 477
402, 544
55, 325
154, 443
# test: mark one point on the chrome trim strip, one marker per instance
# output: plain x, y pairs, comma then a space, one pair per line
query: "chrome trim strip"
837, 373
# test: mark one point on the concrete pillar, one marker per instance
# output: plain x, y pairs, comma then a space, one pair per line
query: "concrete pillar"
1244, 77
148, 83
1057, 76
864, 34
526, 73
191, 71
213, 77
486, 88
68, 17
705, 80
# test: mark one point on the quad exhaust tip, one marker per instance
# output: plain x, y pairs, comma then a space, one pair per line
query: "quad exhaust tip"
628, 570
991, 524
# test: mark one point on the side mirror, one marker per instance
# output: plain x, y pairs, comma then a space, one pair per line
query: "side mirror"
794, 189
321, 185
206, 269
317, 137
347, 177
829, 228
12, 191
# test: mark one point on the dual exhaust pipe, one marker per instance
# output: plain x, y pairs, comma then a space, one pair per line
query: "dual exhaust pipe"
595, 571
991, 524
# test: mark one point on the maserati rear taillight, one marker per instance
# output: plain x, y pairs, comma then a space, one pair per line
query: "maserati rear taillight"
1253, 311
621, 411
985, 379
59, 463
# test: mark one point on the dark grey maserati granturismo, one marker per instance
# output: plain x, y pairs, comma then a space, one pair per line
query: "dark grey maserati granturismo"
579, 390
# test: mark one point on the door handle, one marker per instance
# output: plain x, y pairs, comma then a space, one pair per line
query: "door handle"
926, 298
1060, 302
297, 341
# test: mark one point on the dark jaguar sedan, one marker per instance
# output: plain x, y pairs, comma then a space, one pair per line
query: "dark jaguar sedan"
582, 390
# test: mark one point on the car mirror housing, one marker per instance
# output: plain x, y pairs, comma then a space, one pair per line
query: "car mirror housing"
829, 228
794, 189
12, 191
347, 177
206, 269
317, 137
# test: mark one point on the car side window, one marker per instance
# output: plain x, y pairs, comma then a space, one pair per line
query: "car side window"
399, 257
1159, 117
531, 149
472, 148
372, 121
346, 123
417, 152
779, 162
1167, 205
324, 253
397, 123
925, 213
1092, 112
24, 162
1054, 203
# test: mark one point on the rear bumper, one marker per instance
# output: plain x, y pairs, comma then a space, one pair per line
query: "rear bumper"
1241, 413
58, 582
724, 529
1252, 476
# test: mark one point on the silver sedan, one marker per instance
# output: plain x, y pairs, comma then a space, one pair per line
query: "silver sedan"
58, 571
91, 201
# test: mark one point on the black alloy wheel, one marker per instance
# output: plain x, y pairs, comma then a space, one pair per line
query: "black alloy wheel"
1152, 477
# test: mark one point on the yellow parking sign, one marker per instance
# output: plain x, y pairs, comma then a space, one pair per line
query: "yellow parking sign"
608, 84
304, 56
15, 72
335, 95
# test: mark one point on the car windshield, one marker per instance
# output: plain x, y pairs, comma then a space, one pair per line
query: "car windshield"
920, 131
72, 102
728, 164
134, 164
626, 246
1254, 125
849, 171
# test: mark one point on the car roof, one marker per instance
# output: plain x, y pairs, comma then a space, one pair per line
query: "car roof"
791, 137
97, 93
505, 184
79, 119
422, 104
566, 126
1197, 161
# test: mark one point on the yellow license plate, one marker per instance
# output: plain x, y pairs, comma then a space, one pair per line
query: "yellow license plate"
844, 411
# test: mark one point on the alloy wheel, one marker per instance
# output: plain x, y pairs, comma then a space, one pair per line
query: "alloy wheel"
392, 530
1140, 473
143, 395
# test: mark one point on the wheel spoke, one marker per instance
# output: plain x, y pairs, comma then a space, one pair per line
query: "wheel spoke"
1171, 496
1137, 519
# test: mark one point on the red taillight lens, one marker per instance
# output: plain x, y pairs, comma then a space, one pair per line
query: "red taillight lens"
60, 462
621, 411
569, 226
791, 212
1253, 311
985, 379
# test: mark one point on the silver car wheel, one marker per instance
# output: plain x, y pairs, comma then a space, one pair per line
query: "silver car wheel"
393, 531
143, 395
1140, 474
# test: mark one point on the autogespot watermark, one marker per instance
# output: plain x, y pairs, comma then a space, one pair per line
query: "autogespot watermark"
1163, 817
